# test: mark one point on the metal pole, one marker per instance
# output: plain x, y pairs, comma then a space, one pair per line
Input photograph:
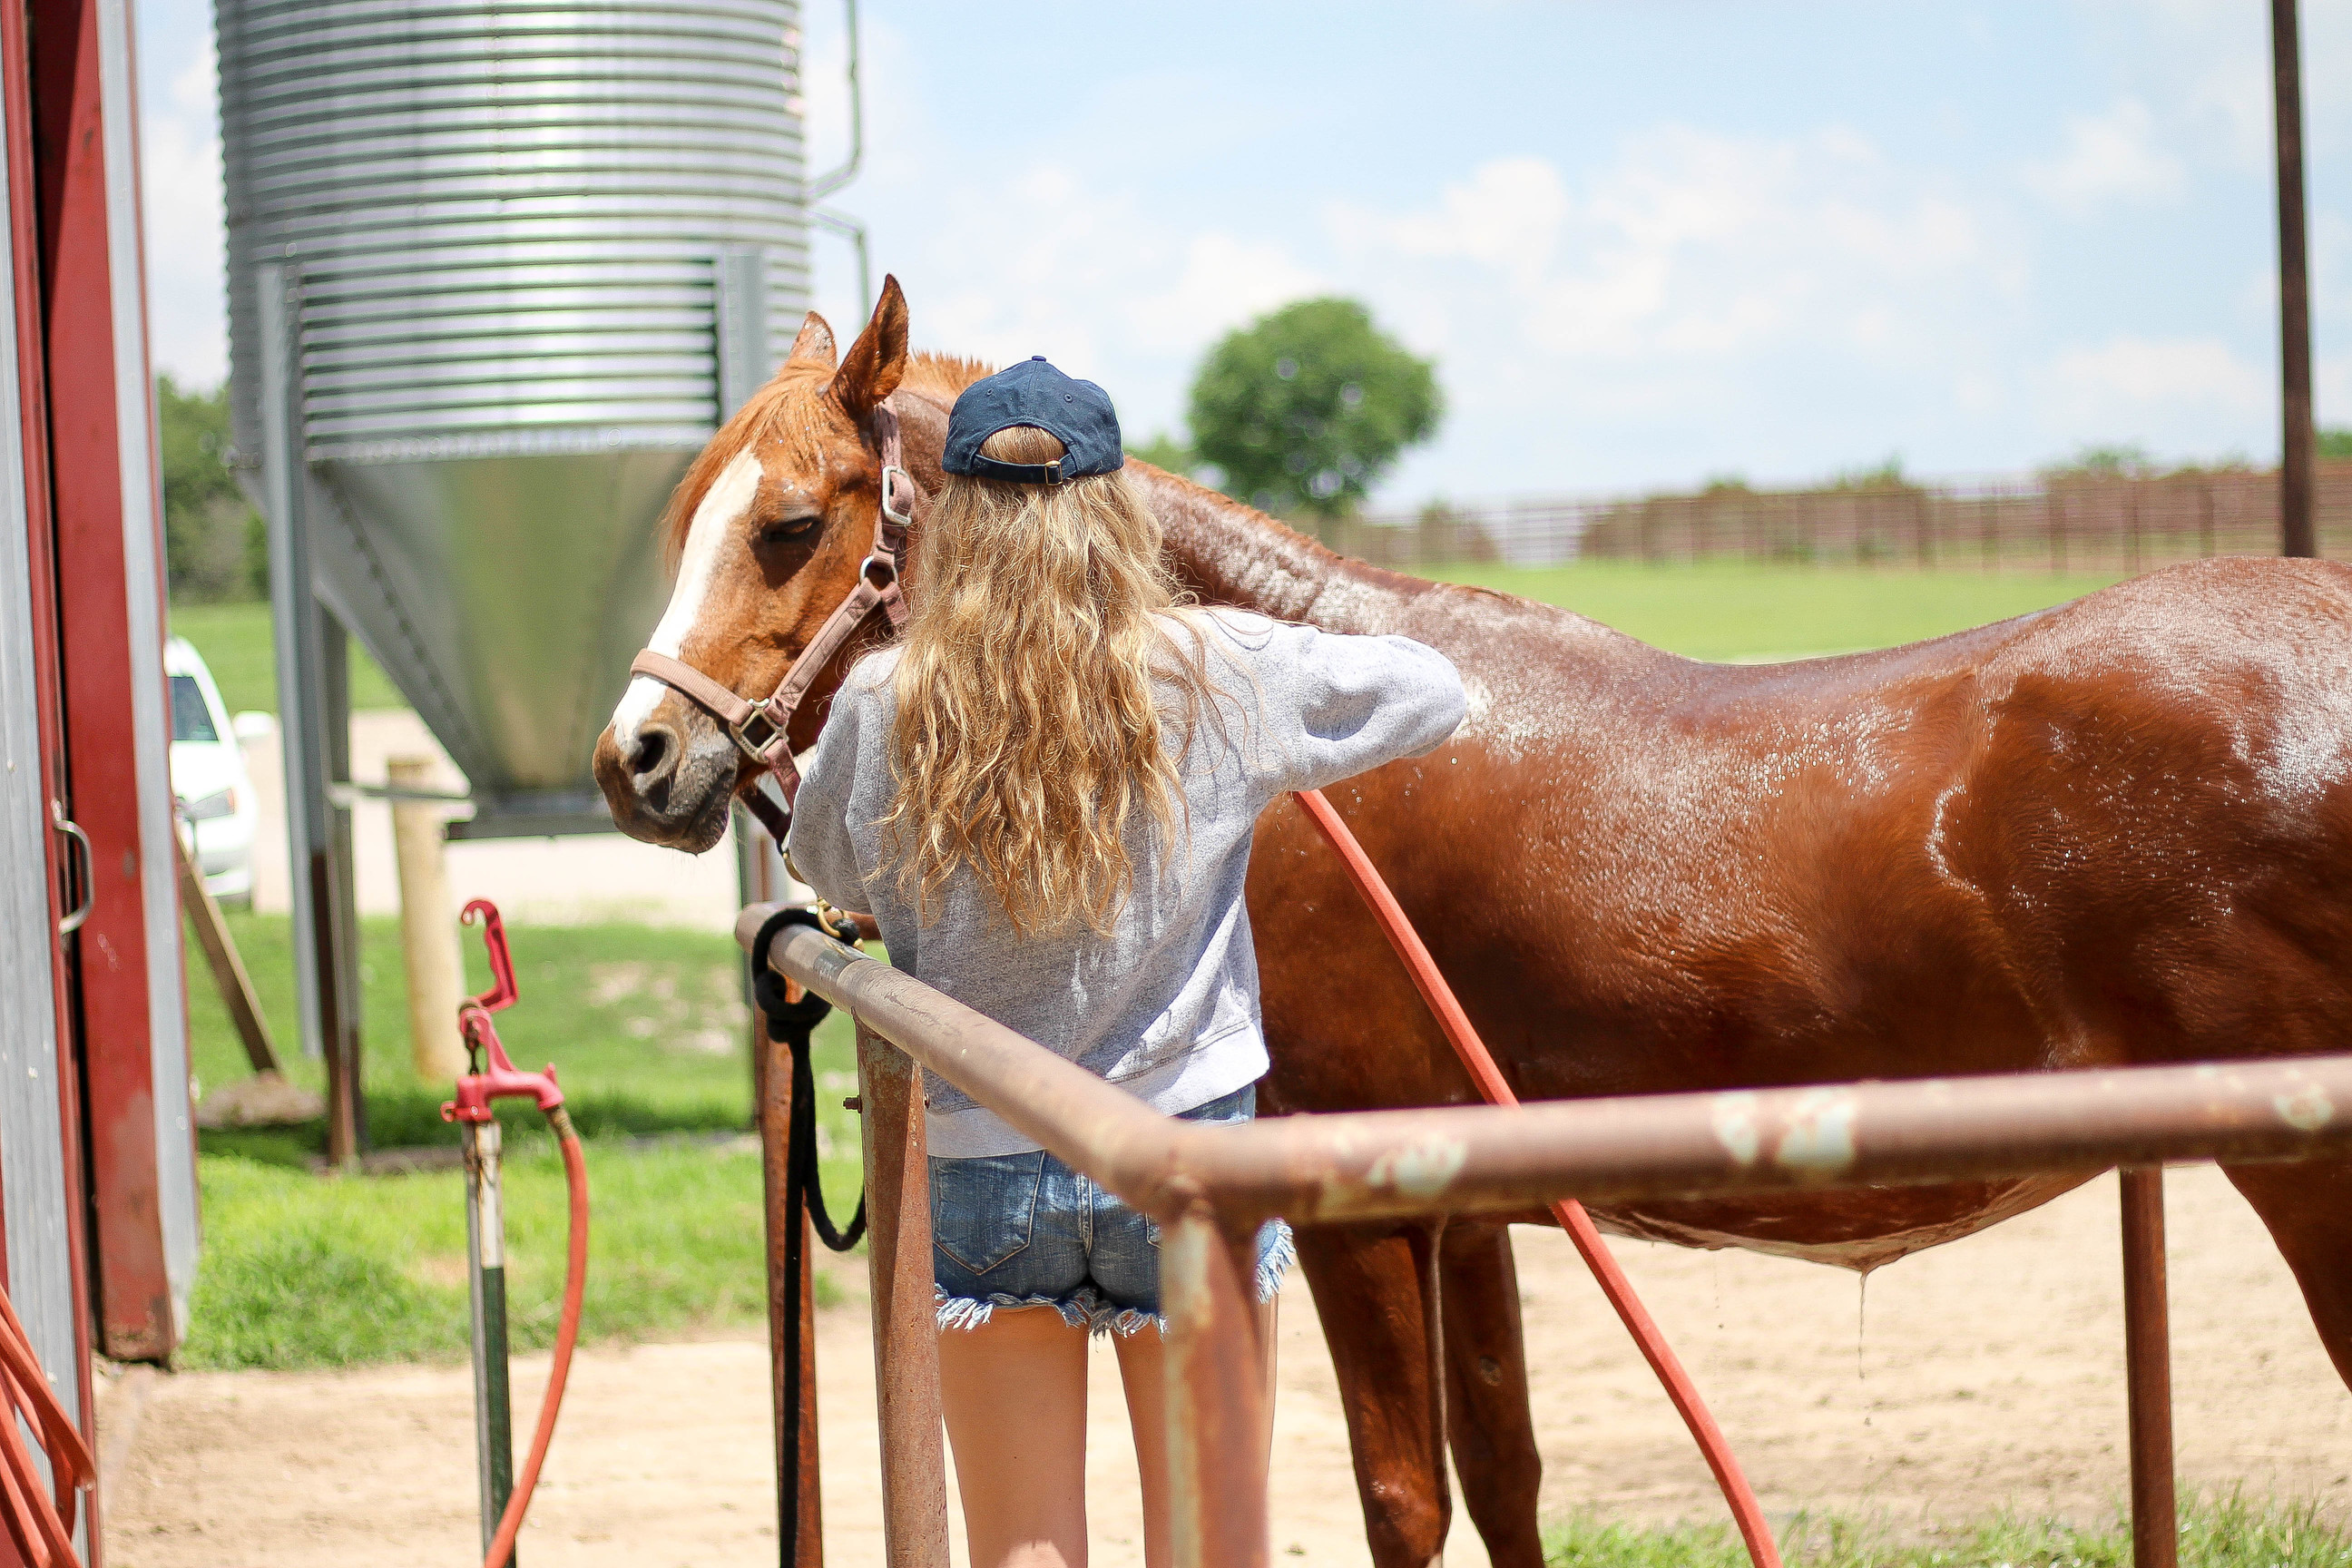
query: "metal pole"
2297, 445
346, 1101
485, 1280
906, 1327
322, 1003
2147, 1357
1216, 1395
791, 1282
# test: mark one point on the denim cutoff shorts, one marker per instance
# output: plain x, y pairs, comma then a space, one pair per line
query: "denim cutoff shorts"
1026, 1230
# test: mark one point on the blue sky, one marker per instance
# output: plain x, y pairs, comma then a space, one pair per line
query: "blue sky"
1647, 243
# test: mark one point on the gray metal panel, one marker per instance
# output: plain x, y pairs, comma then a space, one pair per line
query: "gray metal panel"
513, 224
32, 1134
142, 574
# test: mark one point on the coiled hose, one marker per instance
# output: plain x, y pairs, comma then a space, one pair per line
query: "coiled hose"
567, 1335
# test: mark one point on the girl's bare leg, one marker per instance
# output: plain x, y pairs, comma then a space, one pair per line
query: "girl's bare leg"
1143, 1373
1015, 1393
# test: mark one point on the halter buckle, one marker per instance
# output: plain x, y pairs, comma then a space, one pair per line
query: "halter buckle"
894, 479
757, 749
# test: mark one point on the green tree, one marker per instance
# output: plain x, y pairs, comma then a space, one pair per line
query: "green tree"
1303, 410
2336, 443
213, 540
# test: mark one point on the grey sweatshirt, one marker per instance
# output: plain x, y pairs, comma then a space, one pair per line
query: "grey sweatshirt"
1166, 1005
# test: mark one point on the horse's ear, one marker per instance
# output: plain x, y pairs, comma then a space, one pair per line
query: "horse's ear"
870, 370
815, 342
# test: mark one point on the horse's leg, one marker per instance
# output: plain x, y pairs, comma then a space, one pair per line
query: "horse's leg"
2308, 1207
1376, 1292
1486, 1413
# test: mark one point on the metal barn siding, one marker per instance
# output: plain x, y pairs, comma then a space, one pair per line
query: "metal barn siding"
43, 1189
109, 550
34, 1172
514, 244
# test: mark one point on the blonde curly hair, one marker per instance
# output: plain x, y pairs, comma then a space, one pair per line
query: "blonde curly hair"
1050, 678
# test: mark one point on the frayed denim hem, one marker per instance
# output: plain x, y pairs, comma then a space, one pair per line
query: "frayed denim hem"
1277, 1254
972, 1311
1086, 1309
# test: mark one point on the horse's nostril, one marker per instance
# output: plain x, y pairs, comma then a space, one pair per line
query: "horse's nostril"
652, 754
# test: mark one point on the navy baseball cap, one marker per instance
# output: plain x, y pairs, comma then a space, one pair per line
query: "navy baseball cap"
1078, 413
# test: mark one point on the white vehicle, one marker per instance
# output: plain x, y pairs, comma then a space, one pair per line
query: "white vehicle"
208, 776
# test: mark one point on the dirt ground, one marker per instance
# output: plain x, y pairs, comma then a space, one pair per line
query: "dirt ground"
1982, 1375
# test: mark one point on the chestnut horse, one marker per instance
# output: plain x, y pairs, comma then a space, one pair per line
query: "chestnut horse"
2118, 831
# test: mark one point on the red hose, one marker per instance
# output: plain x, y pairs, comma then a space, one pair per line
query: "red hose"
567, 1335
1407, 942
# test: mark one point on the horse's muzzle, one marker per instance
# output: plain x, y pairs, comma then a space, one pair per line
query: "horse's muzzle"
669, 783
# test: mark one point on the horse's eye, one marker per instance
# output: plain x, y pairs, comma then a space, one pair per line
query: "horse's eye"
778, 530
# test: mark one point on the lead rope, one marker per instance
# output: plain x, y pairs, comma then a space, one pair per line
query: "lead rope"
793, 1020
1426, 976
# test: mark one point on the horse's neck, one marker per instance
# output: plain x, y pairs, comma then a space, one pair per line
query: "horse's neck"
1231, 555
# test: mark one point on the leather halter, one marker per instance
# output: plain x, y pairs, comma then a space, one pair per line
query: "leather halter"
759, 727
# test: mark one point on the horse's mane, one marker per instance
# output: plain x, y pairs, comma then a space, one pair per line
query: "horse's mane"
777, 414
941, 376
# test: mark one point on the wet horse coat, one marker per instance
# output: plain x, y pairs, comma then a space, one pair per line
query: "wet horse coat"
2114, 832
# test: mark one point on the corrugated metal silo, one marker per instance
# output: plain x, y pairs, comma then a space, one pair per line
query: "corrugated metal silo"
496, 270
527, 251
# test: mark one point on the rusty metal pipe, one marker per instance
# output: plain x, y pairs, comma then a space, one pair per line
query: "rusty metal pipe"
906, 1331
2147, 1361
1216, 1394
1395, 1163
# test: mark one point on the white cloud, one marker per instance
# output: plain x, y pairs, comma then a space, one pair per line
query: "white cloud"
1507, 215
1692, 247
2113, 156
180, 193
1226, 281
2162, 390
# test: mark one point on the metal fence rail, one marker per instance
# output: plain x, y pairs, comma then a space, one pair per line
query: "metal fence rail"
2065, 522
1210, 1187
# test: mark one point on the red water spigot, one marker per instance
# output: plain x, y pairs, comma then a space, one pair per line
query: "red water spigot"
501, 993
500, 1079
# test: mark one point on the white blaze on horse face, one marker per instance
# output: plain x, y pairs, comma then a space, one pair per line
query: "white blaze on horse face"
722, 507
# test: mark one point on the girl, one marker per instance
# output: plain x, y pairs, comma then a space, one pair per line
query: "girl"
1046, 792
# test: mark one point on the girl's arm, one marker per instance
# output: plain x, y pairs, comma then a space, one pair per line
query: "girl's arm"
1338, 705
821, 848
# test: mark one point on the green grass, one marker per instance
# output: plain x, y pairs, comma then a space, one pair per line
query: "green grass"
1733, 609
235, 642
302, 1270
2228, 1532
644, 1024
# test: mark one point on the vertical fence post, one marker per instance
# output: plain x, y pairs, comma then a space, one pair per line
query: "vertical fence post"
905, 1330
428, 925
1216, 1394
2296, 442
791, 1282
2148, 1358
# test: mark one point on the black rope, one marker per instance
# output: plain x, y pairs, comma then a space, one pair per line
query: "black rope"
794, 1023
